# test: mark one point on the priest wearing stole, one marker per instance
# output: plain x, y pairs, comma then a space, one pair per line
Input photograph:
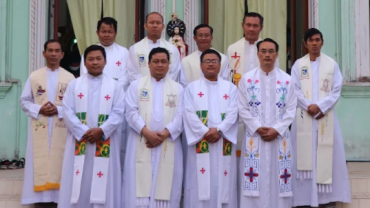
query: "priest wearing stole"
41, 100
211, 127
203, 38
93, 110
267, 106
138, 65
153, 162
319, 168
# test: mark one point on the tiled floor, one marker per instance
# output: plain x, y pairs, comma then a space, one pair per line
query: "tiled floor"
359, 173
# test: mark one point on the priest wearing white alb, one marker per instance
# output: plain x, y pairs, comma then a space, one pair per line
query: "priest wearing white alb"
153, 162
191, 63
41, 100
211, 127
320, 171
116, 66
93, 110
138, 65
267, 105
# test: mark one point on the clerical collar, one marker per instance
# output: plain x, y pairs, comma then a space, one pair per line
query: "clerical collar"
152, 42
255, 42
155, 80
57, 69
211, 82
267, 74
317, 59
94, 77
107, 47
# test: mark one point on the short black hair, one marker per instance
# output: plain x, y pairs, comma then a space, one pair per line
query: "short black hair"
254, 14
107, 21
210, 51
94, 48
268, 40
52, 41
311, 32
202, 26
147, 16
159, 50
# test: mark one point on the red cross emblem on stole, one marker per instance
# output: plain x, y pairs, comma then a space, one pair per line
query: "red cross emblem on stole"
77, 172
203, 170
235, 56
107, 97
200, 94
80, 95
225, 173
226, 96
100, 174
251, 174
118, 63
285, 176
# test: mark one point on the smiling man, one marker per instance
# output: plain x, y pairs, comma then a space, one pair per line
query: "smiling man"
153, 162
41, 100
93, 108
320, 169
267, 106
211, 124
138, 65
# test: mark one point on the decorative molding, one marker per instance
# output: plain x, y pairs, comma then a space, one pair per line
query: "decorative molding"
37, 34
4, 88
313, 6
356, 90
3, 44
160, 7
191, 19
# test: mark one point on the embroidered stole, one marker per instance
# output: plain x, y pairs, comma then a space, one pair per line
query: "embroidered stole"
253, 140
47, 168
142, 50
325, 135
143, 158
102, 154
202, 147
192, 64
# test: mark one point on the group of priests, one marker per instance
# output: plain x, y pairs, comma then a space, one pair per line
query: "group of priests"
143, 128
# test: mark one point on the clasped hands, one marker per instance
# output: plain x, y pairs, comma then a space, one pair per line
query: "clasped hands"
93, 135
212, 136
154, 138
48, 109
313, 110
267, 133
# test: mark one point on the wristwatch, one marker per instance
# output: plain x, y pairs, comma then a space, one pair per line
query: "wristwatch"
220, 132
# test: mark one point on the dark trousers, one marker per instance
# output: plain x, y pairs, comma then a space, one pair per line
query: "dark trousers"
330, 205
46, 205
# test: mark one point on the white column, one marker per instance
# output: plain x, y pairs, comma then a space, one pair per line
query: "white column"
362, 39
37, 39
313, 7
191, 21
173, 6
160, 7
3, 9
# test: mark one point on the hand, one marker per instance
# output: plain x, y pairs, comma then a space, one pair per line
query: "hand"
48, 109
313, 109
212, 136
270, 135
320, 116
153, 140
93, 135
165, 134
262, 130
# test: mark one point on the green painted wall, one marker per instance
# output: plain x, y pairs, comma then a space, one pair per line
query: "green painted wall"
353, 107
17, 35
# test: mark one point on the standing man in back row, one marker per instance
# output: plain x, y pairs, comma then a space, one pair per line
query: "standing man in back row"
138, 65
116, 64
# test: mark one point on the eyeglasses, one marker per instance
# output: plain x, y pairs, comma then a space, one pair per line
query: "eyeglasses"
213, 61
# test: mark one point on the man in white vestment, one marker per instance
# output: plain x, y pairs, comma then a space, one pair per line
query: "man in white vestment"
320, 174
267, 105
211, 127
138, 65
153, 162
41, 100
116, 66
93, 110
203, 38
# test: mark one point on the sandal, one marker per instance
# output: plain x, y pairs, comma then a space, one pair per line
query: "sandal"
4, 164
16, 164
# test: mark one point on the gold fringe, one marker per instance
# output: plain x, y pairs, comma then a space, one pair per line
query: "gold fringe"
39, 188
50, 186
